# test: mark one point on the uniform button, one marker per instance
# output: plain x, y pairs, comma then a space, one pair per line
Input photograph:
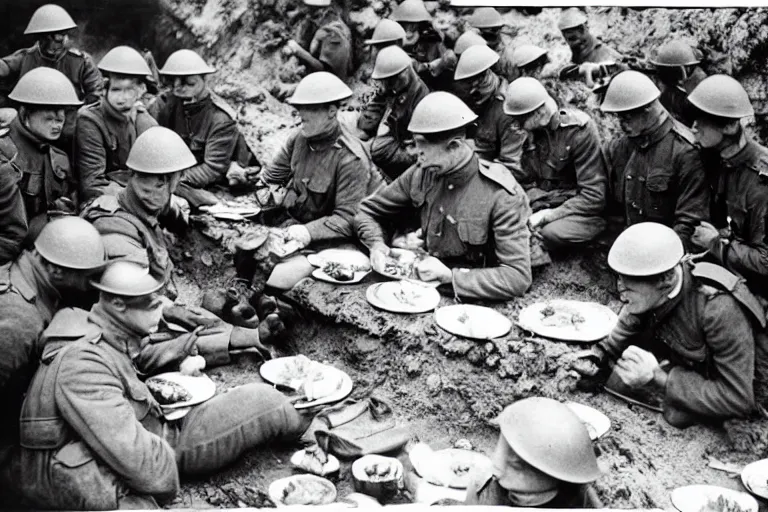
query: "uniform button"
641, 179
629, 177
450, 187
634, 204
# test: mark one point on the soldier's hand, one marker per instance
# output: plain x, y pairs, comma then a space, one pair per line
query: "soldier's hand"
236, 175
590, 72
432, 269
300, 234
540, 218
291, 47
189, 317
411, 241
65, 206
379, 254
588, 362
636, 367
704, 235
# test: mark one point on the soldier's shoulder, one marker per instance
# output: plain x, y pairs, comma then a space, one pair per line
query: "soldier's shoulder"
500, 176
77, 53
224, 107
683, 132
8, 148
70, 323
353, 145
573, 117
760, 165
106, 203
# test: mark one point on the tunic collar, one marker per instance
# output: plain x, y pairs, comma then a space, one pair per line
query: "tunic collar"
654, 134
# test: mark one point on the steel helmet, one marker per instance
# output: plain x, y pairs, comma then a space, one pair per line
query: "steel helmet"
127, 279
571, 18
527, 53
674, 54
411, 11
524, 95
486, 17
71, 242
439, 112
50, 18
320, 87
159, 151
645, 249
723, 96
629, 90
185, 63
550, 437
124, 60
467, 40
45, 86
387, 31
474, 61
389, 62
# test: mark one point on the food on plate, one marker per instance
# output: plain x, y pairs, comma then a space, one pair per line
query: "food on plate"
339, 271
192, 366
380, 471
295, 371
561, 316
314, 460
722, 504
314, 379
400, 264
167, 392
377, 476
305, 492
408, 293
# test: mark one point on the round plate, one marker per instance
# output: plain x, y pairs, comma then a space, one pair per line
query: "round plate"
201, 388
327, 489
402, 297
451, 467
472, 321
593, 321
692, 498
275, 370
755, 478
176, 414
596, 422
322, 276
342, 392
343, 256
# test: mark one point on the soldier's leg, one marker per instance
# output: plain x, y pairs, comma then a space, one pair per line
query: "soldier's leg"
218, 432
390, 156
571, 230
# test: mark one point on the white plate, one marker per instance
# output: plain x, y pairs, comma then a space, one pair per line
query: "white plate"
598, 322
692, 498
343, 256
755, 478
596, 422
276, 488
437, 467
176, 414
340, 394
201, 388
386, 296
272, 371
322, 276
478, 322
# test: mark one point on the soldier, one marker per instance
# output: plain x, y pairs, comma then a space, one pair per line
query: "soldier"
399, 90
544, 458
655, 171
206, 123
467, 40
529, 60
133, 223
563, 168
36, 177
497, 136
107, 130
94, 435
695, 319
32, 288
53, 26
472, 214
678, 72
387, 33
591, 58
490, 24
424, 44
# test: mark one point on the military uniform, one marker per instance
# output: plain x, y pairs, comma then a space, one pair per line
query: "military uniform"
13, 215
564, 169
484, 489
431, 60
42, 174
658, 177
706, 335
395, 109
93, 437
473, 218
326, 177
505, 67
595, 51
103, 140
329, 40
675, 98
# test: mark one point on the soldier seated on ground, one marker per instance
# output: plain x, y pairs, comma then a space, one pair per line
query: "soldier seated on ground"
53, 27
95, 437
591, 59
36, 180
398, 91
206, 123
491, 26
529, 60
497, 137
107, 130
472, 214
678, 73
544, 458
655, 170
466, 41
685, 330
424, 44
563, 169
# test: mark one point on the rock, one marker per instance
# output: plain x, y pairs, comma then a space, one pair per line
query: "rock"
463, 444
413, 366
434, 384
476, 355
206, 259
454, 346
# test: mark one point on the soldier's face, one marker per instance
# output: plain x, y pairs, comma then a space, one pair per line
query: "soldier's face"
143, 314
315, 119
708, 133
46, 124
633, 122
123, 93
436, 156
69, 280
411, 33
576, 37
54, 43
640, 295
188, 87
153, 190
516, 475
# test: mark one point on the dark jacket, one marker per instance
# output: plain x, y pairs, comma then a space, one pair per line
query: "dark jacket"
675, 97
431, 59
658, 177
595, 51
474, 219
103, 139
326, 178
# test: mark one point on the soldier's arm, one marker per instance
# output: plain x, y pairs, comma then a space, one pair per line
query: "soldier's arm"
623, 334
10, 66
90, 159
728, 391
352, 179
13, 216
371, 116
511, 146
93, 402
219, 148
383, 205
748, 258
308, 59
93, 82
279, 171
591, 176
512, 277
117, 243
693, 198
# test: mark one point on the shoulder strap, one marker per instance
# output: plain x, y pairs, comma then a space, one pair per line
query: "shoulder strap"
722, 279
683, 131
499, 174
224, 106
